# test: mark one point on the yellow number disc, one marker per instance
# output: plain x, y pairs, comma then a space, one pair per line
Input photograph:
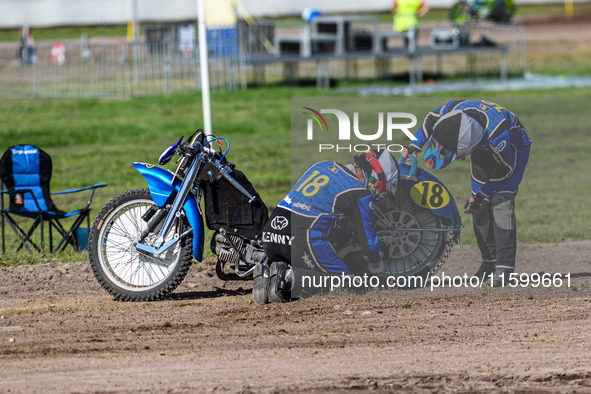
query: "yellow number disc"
431, 195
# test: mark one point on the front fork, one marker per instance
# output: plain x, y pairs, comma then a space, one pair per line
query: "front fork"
160, 246
174, 214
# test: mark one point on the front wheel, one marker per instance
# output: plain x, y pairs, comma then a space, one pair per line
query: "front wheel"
122, 270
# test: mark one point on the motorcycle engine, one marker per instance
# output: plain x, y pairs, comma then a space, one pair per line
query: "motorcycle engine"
231, 248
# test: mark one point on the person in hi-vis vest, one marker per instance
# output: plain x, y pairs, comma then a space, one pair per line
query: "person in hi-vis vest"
407, 14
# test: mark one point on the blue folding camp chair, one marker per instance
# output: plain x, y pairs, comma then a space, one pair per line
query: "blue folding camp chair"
25, 171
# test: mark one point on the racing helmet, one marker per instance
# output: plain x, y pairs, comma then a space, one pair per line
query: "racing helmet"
455, 135
381, 171
436, 156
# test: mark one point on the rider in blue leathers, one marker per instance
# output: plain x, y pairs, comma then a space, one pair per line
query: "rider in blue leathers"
334, 196
499, 148
329, 208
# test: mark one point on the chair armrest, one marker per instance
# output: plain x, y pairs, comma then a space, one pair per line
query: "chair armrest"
91, 188
81, 189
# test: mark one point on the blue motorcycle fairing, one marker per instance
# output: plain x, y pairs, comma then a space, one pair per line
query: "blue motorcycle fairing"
162, 183
449, 211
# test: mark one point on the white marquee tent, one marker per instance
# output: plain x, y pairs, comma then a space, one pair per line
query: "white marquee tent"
44, 13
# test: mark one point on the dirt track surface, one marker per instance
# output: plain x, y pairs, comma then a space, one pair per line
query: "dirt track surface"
60, 332
556, 42
551, 28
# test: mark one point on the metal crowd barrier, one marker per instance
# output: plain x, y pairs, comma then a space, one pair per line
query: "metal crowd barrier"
242, 56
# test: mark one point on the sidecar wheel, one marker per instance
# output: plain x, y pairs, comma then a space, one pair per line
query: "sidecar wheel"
121, 269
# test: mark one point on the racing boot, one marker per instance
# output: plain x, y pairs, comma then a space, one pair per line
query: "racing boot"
281, 281
486, 268
260, 288
501, 277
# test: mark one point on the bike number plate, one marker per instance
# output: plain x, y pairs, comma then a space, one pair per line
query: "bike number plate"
430, 195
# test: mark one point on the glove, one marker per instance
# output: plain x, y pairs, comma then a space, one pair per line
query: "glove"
412, 149
361, 162
381, 187
474, 202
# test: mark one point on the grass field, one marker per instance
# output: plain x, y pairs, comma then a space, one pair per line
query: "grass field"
95, 141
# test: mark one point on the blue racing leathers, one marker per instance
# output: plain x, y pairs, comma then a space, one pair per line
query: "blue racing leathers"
497, 165
498, 162
330, 209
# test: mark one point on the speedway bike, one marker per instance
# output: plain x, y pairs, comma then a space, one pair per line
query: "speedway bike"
143, 242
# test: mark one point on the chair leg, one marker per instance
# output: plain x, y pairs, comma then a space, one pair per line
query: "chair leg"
69, 237
3, 213
23, 237
50, 237
3, 238
65, 241
72, 231
42, 240
27, 237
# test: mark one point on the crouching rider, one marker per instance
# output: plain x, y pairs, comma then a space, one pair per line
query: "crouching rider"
329, 208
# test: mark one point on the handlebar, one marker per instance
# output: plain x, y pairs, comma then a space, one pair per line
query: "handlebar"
193, 147
211, 150
413, 164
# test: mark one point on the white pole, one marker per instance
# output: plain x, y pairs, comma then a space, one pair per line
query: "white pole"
136, 22
204, 67
136, 34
